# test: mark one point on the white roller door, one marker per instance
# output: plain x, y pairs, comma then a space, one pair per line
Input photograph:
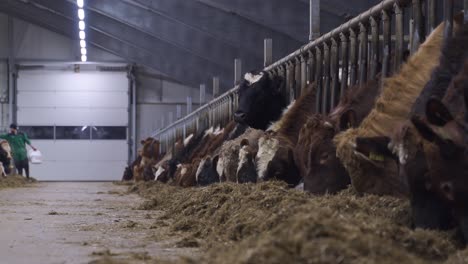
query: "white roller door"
78, 120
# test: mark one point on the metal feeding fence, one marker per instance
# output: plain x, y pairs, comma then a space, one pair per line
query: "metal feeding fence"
353, 53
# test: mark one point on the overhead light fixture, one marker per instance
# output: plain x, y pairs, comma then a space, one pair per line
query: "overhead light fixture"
84, 58
83, 51
81, 25
81, 14
82, 35
80, 3
83, 43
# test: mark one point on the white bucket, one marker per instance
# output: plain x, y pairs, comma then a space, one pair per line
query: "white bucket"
35, 156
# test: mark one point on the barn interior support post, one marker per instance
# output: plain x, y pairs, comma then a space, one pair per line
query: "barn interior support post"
303, 72
399, 37
431, 14
375, 48
344, 63
202, 94
387, 44
326, 78
334, 64
297, 77
267, 52
237, 71
318, 78
314, 19
215, 87
12, 73
362, 53
419, 33
353, 57
133, 122
448, 18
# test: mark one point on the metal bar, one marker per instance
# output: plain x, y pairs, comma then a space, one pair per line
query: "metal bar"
134, 114
297, 77
267, 52
431, 14
318, 78
419, 26
311, 67
215, 87
362, 54
314, 19
353, 58
130, 117
399, 37
304, 75
11, 71
189, 106
375, 48
237, 71
326, 78
387, 43
334, 64
178, 112
290, 81
344, 64
202, 94
448, 18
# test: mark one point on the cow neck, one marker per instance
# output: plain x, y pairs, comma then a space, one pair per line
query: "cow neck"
295, 118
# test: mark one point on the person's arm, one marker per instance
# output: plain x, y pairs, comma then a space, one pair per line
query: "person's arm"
26, 139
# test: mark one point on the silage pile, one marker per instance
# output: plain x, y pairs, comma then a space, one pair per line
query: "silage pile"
14, 181
269, 223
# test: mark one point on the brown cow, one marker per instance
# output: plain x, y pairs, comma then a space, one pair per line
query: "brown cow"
374, 173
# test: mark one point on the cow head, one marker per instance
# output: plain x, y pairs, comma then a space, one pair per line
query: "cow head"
206, 173
447, 157
246, 170
128, 174
260, 99
150, 148
323, 171
275, 159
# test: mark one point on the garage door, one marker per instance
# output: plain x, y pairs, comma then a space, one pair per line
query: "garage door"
78, 121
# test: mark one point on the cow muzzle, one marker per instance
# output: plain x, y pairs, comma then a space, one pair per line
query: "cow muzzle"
240, 116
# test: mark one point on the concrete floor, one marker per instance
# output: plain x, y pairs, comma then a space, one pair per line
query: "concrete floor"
78, 223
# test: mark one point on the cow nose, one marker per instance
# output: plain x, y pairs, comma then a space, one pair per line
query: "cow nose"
239, 116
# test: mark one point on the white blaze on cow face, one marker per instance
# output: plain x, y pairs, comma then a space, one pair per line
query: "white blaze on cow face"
183, 171
251, 78
200, 168
242, 157
187, 140
158, 173
220, 166
267, 149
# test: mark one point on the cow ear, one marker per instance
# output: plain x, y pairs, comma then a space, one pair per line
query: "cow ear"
424, 129
374, 148
437, 113
348, 119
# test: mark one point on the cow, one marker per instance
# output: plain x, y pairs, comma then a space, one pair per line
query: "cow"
275, 158
149, 156
371, 173
315, 153
261, 99
406, 145
246, 168
128, 172
6, 165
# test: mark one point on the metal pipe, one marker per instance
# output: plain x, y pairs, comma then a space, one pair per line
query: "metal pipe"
431, 14
387, 43
237, 71
311, 67
399, 37
419, 33
297, 77
215, 87
303, 72
314, 19
353, 58
326, 78
318, 78
267, 52
344, 64
362, 54
202, 94
134, 113
448, 18
375, 48
334, 67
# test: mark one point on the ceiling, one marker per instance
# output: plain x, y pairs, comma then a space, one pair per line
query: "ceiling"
188, 40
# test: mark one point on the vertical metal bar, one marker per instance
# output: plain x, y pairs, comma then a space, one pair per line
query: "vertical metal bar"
314, 19
215, 87
353, 57
399, 37
178, 112
303, 72
170, 117
411, 35
202, 94
318, 78
419, 26
387, 43
130, 117
297, 77
344, 64
448, 18
431, 14
189, 105
134, 114
289, 81
362, 54
334, 64
311, 67
267, 52
237, 71
375, 48
11, 71
326, 78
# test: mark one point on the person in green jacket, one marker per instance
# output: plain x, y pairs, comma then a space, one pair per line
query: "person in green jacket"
18, 141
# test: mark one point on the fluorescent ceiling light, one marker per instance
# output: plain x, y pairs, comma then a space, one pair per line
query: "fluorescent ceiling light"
81, 14
83, 43
80, 3
84, 58
81, 25
83, 51
82, 35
